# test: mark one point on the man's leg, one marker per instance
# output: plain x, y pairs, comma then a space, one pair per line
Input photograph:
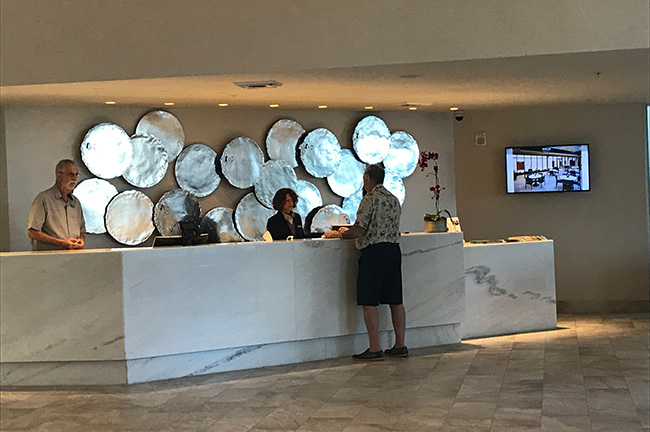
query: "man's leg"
371, 318
398, 315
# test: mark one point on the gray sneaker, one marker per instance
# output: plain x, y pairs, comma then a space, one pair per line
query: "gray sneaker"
397, 352
368, 355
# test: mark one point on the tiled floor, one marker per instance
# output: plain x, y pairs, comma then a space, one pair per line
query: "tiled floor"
592, 374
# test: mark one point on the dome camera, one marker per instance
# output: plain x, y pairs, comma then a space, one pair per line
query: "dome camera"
459, 115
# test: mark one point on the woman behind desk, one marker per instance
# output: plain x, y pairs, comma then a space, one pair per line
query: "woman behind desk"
285, 222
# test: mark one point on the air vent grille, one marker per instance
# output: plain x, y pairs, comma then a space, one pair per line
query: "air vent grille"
258, 84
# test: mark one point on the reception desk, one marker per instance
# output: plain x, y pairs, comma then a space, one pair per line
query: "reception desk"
133, 315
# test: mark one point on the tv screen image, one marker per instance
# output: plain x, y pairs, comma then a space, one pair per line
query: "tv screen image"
555, 168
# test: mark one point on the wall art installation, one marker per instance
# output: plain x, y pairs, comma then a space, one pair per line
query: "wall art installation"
143, 159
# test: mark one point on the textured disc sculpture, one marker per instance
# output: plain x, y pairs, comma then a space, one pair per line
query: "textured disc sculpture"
309, 197
348, 177
94, 195
166, 128
149, 162
282, 141
196, 170
274, 176
176, 206
371, 140
241, 162
351, 205
220, 222
251, 218
320, 153
128, 217
395, 185
106, 150
403, 155
328, 216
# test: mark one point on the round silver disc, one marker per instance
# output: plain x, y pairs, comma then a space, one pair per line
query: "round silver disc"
128, 217
196, 170
348, 177
371, 140
351, 205
176, 206
166, 128
220, 221
251, 218
320, 153
328, 216
149, 162
309, 197
282, 141
241, 162
395, 185
274, 175
94, 195
106, 150
403, 155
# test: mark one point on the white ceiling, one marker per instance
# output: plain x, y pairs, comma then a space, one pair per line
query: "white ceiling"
598, 77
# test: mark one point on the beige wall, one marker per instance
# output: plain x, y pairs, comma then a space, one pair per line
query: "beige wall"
4, 206
601, 236
38, 136
92, 40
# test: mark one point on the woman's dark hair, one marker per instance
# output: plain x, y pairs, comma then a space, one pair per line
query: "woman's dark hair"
281, 195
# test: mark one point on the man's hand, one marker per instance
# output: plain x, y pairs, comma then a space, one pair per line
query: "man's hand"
332, 234
72, 243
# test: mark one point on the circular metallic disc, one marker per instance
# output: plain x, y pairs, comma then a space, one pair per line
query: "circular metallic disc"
320, 153
351, 205
403, 155
220, 221
395, 185
149, 162
274, 175
241, 162
166, 128
128, 217
106, 150
328, 216
94, 195
282, 140
309, 197
176, 206
348, 177
196, 170
371, 140
251, 218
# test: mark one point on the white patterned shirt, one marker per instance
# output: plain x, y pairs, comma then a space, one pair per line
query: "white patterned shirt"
379, 215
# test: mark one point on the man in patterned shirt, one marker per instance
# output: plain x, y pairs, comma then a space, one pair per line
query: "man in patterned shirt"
376, 234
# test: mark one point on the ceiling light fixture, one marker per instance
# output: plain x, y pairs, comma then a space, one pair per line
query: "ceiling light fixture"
110, 102
223, 104
274, 106
322, 106
369, 107
453, 109
168, 103
412, 108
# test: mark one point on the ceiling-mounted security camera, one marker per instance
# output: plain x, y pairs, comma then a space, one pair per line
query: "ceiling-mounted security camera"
459, 115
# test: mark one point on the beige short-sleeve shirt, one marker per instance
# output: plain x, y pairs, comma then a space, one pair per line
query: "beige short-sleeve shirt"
379, 215
54, 216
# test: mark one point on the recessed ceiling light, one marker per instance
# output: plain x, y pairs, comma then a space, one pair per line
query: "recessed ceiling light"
453, 109
110, 102
322, 106
274, 106
168, 103
369, 107
413, 108
223, 104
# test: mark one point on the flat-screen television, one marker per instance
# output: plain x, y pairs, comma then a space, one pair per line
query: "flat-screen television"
553, 168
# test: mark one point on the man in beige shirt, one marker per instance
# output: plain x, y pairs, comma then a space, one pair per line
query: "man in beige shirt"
56, 220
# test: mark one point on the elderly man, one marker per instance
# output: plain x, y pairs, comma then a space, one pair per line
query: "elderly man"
56, 220
376, 234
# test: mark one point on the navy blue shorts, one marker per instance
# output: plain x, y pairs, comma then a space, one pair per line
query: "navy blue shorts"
380, 275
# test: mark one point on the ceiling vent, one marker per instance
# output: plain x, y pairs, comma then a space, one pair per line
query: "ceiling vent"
258, 84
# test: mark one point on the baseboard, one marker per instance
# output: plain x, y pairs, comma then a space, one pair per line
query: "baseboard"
602, 306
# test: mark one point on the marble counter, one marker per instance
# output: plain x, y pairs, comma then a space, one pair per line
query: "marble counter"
133, 315
509, 288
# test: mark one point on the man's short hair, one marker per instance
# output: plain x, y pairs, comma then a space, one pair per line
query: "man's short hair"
60, 167
375, 173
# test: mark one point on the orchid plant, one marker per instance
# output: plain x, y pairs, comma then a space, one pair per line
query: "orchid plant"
423, 162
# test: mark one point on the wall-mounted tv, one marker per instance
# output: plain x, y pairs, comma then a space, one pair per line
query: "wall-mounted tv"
554, 168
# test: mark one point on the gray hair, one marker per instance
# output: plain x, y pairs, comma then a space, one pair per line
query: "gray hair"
375, 173
60, 167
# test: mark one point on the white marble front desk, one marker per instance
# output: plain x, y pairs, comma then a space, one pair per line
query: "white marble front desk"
134, 315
